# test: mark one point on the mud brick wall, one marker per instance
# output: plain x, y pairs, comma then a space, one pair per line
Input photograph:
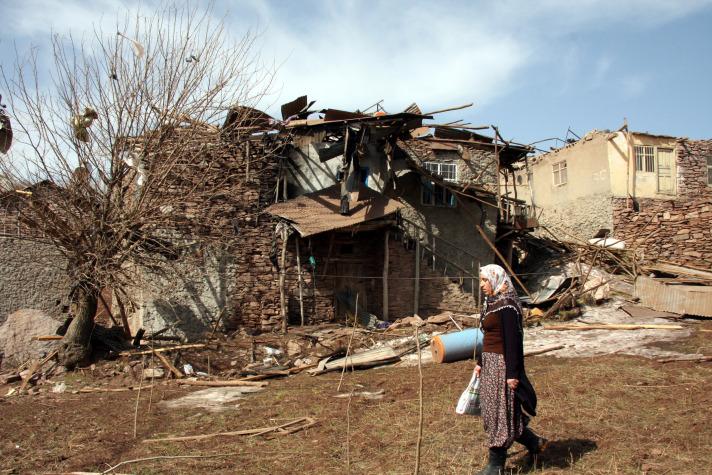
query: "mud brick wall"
32, 275
437, 293
680, 229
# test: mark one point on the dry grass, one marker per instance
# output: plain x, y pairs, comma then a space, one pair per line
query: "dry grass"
604, 415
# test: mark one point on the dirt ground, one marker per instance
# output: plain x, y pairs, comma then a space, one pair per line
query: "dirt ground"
603, 414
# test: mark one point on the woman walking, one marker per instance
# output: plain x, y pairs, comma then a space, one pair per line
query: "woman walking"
507, 397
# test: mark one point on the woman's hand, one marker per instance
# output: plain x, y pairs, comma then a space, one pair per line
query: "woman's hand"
478, 368
513, 383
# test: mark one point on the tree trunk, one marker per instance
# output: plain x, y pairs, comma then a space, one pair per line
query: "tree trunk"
76, 345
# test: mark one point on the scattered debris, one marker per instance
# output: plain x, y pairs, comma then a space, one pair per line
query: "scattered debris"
222, 383
364, 394
613, 326
211, 399
284, 429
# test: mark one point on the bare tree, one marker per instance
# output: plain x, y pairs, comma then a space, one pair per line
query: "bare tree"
118, 133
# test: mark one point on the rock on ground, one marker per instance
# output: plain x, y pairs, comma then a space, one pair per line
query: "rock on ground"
16, 336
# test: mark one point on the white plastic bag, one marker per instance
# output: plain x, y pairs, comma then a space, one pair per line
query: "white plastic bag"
469, 402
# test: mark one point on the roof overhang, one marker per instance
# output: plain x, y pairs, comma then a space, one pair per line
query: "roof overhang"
318, 212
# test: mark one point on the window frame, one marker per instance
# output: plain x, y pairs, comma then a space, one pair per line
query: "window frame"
436, 168
447, 200
559, 172
644, 161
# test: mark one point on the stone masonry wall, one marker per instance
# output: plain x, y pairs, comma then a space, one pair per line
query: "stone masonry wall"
582, 217
32, 275
680, 229
436, 293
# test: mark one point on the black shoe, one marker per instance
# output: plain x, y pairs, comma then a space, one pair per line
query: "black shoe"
495, 465
534, 444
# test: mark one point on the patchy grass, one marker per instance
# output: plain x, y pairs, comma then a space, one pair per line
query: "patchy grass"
603, 415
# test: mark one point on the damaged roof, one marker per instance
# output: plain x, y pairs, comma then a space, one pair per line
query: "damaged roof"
318, 212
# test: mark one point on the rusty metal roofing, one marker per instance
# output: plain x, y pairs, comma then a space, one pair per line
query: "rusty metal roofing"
318, 212
681, 299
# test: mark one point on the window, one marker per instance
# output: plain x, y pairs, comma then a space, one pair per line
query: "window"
709, 170
645, 158
448, 171
436, 195
559, 171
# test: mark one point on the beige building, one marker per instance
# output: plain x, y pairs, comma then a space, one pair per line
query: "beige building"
574, 187
653, 192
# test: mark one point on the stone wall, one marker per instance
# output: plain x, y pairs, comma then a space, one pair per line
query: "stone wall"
230, 278
436, 293
476, 163
581, 217
678, 229
32, 275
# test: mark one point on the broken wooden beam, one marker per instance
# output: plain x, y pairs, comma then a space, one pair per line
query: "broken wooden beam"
163, 349
615, 326
691, 358
169, 366
222, 383
283, 429
546, 349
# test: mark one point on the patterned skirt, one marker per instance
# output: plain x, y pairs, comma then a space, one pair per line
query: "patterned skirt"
501, 413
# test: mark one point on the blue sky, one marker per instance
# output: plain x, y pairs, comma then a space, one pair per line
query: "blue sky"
534, 68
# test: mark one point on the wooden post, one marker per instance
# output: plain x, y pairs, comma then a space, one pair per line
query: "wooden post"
282, 273
416, 284
386, 256
300, 280
474, 280
479, 292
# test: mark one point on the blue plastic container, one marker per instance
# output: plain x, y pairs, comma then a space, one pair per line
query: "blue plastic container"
456, 346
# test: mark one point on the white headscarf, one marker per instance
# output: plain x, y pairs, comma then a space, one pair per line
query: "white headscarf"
504, 293
497, 278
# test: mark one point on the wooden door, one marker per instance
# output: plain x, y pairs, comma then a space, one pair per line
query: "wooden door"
665, 170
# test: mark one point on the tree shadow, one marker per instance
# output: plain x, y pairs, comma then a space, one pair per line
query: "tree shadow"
559, 454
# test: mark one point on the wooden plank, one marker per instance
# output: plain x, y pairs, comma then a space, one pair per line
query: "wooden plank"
544, 350
501, 258
386, 258
222, 383
300, 280
416, 281
163, 349
615, 326
283, 429
169, 366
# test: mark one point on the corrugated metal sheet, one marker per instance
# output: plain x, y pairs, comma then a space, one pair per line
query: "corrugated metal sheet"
666, 297
318, 212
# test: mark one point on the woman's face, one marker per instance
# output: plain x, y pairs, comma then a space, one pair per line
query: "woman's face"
486, 286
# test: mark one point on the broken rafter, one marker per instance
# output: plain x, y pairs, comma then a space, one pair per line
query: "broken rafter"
464, 106
615, 326
223, 383
161, 350
283, 429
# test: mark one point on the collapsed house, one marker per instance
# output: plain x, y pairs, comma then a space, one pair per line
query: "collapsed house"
376, 212
653, 192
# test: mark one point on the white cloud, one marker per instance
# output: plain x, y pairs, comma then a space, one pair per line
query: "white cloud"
349, 54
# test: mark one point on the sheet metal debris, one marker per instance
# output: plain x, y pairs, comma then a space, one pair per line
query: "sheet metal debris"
318, 212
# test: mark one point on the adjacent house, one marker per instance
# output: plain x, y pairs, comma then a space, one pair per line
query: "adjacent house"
654, 192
